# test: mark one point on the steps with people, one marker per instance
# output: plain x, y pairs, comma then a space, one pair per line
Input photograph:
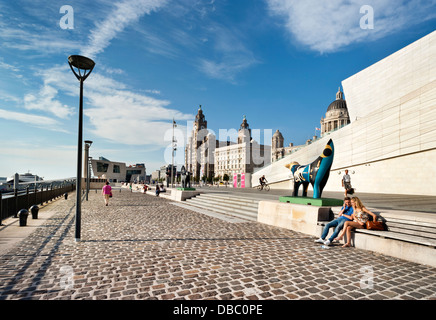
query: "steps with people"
244, 208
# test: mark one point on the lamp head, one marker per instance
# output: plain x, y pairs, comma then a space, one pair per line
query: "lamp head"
81, 63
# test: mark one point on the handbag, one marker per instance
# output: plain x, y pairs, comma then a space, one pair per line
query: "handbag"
375, 225
110, 195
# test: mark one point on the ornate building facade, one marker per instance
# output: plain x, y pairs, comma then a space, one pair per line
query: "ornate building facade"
205, 156
278, 150
199, 149
336, 117
242, 157
337, 114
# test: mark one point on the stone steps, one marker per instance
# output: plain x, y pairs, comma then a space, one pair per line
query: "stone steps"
243, 208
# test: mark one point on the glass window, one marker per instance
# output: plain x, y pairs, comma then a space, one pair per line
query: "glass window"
133, 171
116, 168
102, 167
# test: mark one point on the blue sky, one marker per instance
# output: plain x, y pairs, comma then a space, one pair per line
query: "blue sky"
279, 62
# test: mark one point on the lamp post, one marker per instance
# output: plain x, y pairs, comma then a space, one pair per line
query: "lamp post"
89, 173
174, 145
86, 165
83, 65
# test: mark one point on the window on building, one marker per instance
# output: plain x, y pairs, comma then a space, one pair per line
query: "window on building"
116, 168
102, 167
133, 172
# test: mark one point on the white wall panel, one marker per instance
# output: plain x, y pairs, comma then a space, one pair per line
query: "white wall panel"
392, 107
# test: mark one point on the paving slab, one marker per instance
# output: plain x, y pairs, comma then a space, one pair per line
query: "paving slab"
143, 247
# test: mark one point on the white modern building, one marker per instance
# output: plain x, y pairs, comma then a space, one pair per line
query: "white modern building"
390, 144
117, 171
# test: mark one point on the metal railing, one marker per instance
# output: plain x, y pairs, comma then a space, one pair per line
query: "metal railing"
12, 202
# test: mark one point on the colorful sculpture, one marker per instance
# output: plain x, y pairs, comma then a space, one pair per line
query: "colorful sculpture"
316, 173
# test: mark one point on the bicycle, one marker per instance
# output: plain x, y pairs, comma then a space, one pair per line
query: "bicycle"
265, 187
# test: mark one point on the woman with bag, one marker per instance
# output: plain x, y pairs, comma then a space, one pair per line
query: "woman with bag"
360, 217
106, 192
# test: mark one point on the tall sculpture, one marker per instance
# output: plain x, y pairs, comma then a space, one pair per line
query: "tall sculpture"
316, 173
186, 179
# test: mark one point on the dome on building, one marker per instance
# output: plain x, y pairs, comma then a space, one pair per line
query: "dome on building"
336, 115
277, 134
339, 103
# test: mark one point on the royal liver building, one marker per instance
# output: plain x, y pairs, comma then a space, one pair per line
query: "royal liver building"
239, 155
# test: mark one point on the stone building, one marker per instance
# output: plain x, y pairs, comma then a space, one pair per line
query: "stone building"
205, 156
243, 157
336, 116
278, 150
199, 149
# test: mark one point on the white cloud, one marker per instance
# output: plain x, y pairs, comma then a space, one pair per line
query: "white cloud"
10, 68
34, 120
129, 118
42, 40
45, 101
153, 91
115, 113
233, 55
124, 14
328, 26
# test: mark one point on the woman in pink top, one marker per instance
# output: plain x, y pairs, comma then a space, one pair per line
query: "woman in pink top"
106, 192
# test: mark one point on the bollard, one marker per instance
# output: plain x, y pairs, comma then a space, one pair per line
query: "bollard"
22, 214
66, 195
34, 210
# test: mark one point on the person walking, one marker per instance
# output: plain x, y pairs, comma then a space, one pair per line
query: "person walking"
346, 183
344, 215
106, 192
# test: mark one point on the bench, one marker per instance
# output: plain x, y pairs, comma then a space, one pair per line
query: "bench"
408, 237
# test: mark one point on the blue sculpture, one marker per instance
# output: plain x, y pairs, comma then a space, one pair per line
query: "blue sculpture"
316, 173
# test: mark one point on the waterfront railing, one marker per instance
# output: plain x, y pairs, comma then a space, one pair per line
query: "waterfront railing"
12, 202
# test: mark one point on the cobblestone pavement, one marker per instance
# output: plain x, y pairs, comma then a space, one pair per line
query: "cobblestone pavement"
143, 247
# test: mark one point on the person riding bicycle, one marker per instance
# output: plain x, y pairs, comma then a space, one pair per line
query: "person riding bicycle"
262, 181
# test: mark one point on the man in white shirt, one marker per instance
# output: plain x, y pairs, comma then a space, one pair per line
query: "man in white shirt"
346, 182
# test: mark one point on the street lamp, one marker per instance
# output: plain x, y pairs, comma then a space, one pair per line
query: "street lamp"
83, 65
86, 165
174, 145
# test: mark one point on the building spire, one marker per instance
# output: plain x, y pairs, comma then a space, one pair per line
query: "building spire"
244, 124
339, 94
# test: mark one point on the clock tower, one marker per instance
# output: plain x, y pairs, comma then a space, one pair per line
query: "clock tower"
193, 156
200, 121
